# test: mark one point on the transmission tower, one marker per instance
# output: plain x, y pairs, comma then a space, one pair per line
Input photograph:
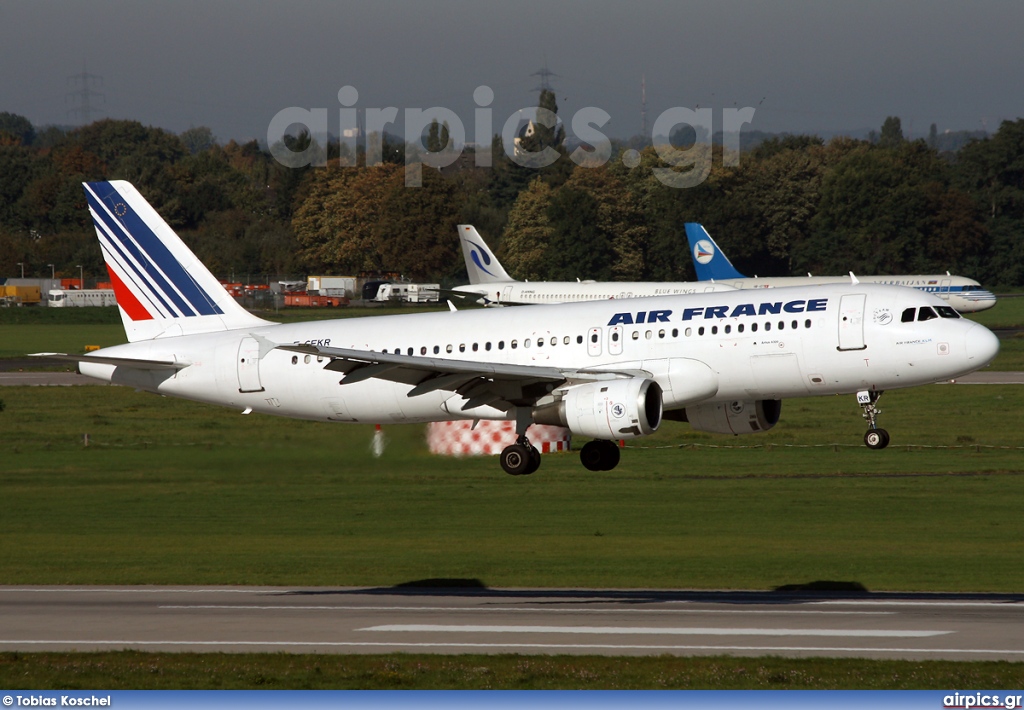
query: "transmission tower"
544, 73
643, 105
83, 94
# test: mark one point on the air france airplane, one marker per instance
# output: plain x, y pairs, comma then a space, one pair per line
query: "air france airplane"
606, 370
963, 294
491, 284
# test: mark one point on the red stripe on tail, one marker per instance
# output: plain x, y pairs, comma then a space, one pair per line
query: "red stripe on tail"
126, 299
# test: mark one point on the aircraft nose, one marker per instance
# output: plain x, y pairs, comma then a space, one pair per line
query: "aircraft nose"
982, 345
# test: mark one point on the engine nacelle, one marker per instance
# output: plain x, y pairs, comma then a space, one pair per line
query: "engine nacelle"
611, 409
738, 417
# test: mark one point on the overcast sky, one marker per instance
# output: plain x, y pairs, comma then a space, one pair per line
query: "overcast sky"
804, 64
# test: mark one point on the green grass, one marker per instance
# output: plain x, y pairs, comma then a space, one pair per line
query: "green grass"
129, 670
172, 492
1007, 313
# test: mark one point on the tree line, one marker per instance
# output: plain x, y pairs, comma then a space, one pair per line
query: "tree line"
793, 204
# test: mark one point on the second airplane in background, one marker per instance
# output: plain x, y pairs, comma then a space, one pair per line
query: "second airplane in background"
711, 264
491, 284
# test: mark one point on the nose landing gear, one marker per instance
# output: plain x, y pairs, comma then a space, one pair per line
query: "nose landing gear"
875, 438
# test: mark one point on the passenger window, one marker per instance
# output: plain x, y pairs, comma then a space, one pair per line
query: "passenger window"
436, 350
794, 325
615, 337
700, 331
728, 329
554, 340
926, 313
462, 347
579, 339
908, 315
540, 342
565, 340
714, 330
675, 332
807, 323
448, 348
295, 359
636, 335
648, 335
423, 350
526, 343
593, 338
767, 326
487, 345
753, 327
739, 328
475, 347
688, 332
513, 344
782, 325
661, 333
501, 345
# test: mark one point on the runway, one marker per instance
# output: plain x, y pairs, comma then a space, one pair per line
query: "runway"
452, 621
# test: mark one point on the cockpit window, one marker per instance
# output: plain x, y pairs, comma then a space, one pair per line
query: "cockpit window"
908, 315
947, 312
926, 313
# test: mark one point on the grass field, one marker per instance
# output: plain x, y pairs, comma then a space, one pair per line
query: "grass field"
171, 492
128, 670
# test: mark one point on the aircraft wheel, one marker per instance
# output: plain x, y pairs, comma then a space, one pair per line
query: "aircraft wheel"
612, 455
517, 460
599, 455
876, 439
591, 456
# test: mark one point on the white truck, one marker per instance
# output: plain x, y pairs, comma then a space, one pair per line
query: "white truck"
77, 298
408, 293
332, 285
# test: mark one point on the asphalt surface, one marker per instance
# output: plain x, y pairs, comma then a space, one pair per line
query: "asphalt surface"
448, 621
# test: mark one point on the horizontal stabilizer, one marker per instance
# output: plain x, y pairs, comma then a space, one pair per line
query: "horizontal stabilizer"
133, 363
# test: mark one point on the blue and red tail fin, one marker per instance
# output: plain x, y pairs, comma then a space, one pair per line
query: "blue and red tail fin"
708, 260
162, 288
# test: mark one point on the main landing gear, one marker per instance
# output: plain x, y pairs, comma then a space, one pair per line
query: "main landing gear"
875, 438
521, 458
600, 455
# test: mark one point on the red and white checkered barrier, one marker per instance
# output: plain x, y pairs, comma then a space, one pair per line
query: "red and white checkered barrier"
490, 437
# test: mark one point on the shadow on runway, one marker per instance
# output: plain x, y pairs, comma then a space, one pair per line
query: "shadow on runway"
788, 594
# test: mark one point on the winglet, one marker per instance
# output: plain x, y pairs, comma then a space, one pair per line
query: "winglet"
708, 260
481, 264
853, 279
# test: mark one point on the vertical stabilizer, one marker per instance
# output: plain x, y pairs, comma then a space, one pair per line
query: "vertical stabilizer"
482, 265
708, 260
162, 289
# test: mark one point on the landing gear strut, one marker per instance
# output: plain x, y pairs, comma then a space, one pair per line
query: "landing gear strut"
875, 438
600, 455
521, 458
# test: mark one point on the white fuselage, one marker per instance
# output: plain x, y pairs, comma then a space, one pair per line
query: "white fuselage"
963, 294
787, 342
550, 292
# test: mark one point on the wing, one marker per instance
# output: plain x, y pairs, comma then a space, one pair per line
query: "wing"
500, 385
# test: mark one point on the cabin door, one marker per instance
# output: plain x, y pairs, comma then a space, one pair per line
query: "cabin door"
851, 322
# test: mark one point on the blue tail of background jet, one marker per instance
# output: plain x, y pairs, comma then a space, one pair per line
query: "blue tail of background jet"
708, 260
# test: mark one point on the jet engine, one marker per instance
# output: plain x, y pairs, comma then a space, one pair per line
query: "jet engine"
611, 409
737, 417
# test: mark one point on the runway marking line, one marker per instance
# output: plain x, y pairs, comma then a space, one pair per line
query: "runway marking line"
656, 631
